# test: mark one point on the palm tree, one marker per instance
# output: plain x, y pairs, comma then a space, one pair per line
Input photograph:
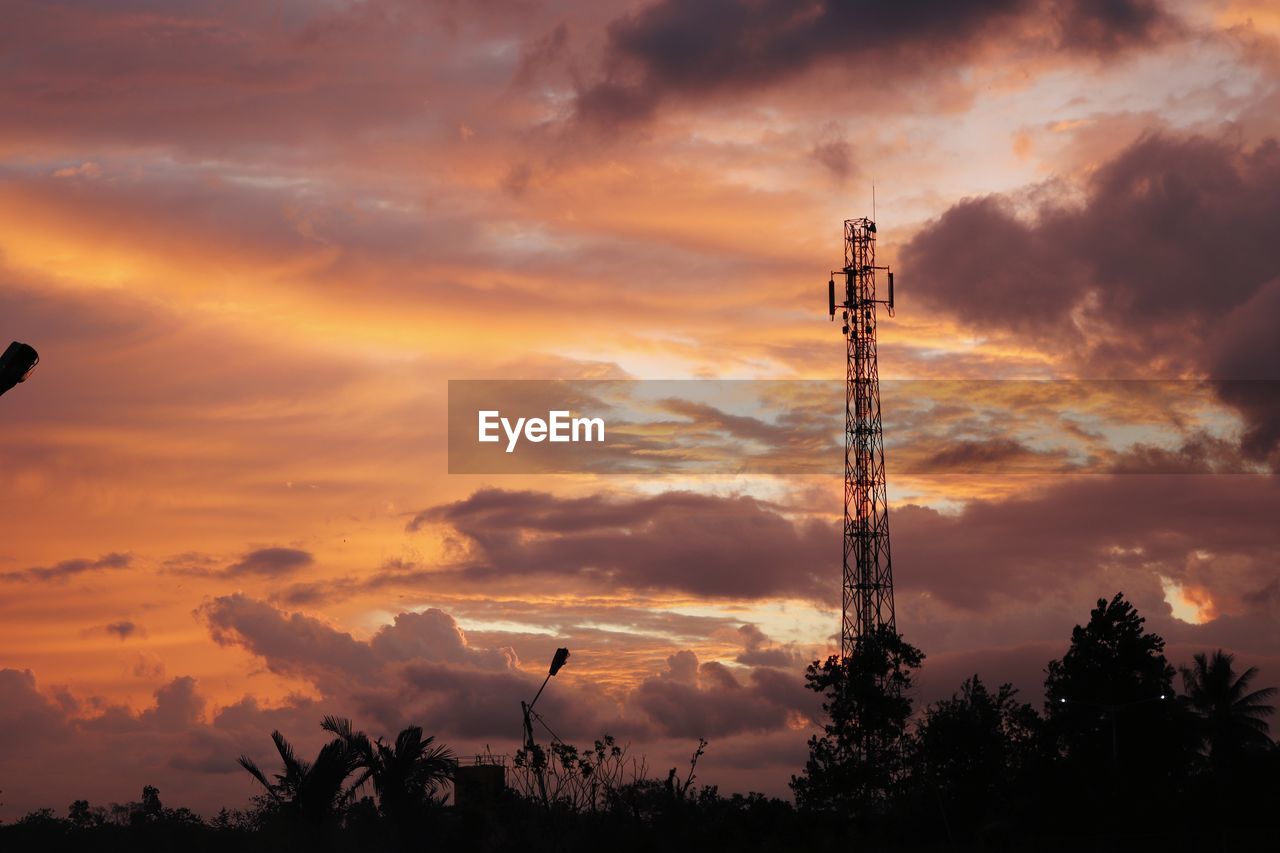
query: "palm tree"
406, 775
311, 792
1233, 716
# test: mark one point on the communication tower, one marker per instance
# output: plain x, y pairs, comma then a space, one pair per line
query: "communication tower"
868, 570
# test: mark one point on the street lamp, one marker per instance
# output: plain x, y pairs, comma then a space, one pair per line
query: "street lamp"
16, 364
535, 753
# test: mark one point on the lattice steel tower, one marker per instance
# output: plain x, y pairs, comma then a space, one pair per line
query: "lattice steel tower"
868, 570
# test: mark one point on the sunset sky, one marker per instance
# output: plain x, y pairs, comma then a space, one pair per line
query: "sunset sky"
253, 242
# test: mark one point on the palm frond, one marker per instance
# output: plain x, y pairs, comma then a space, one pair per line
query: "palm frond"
357, 741
340, 726
361, 780
409, 741
286, 751
256, 772
1257, 701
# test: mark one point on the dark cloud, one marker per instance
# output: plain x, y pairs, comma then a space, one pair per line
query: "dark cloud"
685, 703
670, 48
998, 454
1106, 26
1172, 227
981, 263
115, 750
69, 568
694, 700
423, 668
760, 650
1245, 352
1169, 266
270, 562
722, 547
486, 704
292, 643
300, 644
123, 629
836, 156
418, 669
178, 705
1065, 542
26, 716
433, 635
1199, 453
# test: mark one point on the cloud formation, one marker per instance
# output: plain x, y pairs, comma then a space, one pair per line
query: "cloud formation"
270, 562
692, 699
1165, 269
721, 547
999, 575
670, 49
423, 667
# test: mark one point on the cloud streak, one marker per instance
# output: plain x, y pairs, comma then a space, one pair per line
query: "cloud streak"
668, 50
67, 569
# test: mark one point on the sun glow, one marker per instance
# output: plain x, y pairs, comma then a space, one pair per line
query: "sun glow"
1188, 604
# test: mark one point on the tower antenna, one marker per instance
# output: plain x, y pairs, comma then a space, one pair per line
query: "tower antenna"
867, 579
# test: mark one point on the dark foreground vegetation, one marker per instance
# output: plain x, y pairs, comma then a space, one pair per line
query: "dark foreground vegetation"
1118, 759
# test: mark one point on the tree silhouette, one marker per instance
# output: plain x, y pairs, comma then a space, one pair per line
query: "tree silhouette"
152, 809
1111, 660
310, 793
855, 765
84, 816
1112, 718
407, 775
1232, 717
971, 754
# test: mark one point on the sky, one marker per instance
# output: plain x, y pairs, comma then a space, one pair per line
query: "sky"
253, 243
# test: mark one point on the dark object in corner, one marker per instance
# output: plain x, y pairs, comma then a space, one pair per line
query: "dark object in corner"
16, 364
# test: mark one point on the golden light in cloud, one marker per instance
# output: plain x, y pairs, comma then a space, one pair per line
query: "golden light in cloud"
1189, 603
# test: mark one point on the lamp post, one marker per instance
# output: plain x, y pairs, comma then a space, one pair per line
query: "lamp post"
536, 758
16, 364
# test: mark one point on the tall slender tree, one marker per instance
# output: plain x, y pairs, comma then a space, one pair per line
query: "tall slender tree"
856, 764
